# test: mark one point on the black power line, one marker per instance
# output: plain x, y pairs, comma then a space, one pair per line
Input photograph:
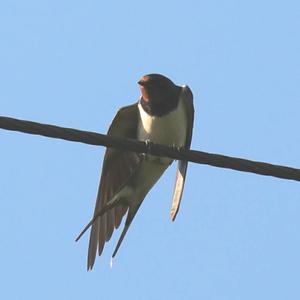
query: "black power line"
199, 157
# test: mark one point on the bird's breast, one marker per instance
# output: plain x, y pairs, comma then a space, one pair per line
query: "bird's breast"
170, 129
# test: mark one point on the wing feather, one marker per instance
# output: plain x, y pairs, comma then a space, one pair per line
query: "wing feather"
187, 97
118, 167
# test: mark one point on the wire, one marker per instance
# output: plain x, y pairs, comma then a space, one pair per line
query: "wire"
93, 138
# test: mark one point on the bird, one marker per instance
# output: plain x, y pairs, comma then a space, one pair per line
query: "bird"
164, 114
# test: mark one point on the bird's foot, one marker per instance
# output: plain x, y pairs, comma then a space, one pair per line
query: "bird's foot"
148, 145
177, 148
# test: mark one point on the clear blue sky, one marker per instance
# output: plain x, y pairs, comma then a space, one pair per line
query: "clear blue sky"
74, 63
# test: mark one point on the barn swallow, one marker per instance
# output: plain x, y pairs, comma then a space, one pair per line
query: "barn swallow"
164, 115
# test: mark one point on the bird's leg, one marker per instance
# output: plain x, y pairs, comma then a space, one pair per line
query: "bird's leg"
148, 145
177, 148
148, 148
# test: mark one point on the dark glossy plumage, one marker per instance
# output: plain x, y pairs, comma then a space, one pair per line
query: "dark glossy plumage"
126, 176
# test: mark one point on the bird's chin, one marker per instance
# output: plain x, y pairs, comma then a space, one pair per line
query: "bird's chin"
145, 94
145, 99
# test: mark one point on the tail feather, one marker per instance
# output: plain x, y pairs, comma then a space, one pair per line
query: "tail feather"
121, 239
130, 215
125, 229
93, 245
102, 233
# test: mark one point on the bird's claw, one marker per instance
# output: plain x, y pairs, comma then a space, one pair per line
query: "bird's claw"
148, 145
177, 148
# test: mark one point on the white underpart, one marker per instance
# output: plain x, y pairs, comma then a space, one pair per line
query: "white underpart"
170, 130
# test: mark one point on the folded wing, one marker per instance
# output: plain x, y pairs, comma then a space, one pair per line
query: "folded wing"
187, 97
118, 167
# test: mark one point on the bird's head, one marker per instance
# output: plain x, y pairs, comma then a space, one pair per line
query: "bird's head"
158, 94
